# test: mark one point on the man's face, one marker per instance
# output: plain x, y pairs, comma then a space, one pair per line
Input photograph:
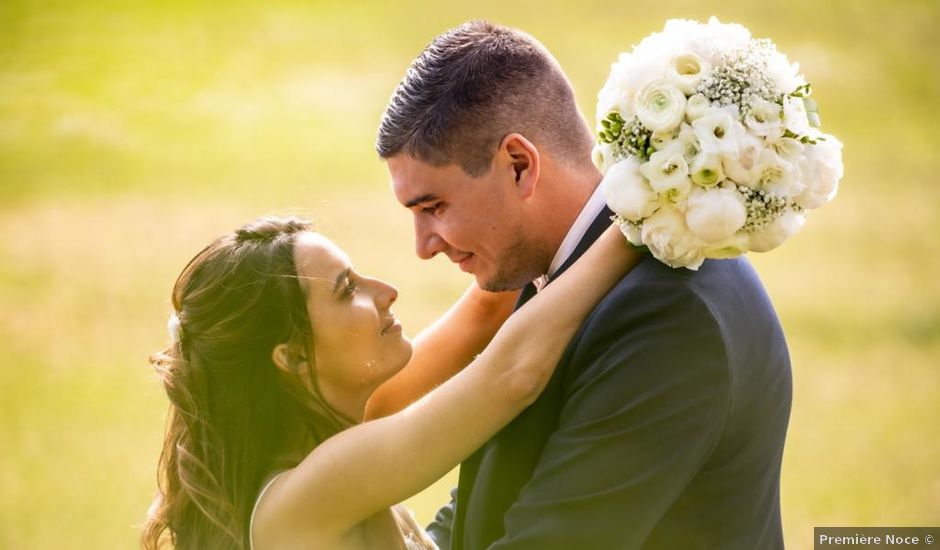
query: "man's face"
477, 222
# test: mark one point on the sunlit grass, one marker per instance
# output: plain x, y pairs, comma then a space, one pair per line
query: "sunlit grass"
131, 135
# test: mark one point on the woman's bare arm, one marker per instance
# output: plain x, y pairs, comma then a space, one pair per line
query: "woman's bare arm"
444, 349
372, 466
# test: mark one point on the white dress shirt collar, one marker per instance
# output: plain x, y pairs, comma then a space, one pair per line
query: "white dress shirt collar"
592, 208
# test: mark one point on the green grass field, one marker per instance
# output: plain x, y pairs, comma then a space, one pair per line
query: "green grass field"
133, 133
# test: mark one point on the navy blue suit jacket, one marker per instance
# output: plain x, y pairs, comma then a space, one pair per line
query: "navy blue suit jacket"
662, 427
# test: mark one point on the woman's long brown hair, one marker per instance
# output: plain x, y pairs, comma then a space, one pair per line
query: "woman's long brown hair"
232, 411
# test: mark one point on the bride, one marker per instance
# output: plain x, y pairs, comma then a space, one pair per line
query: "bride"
278, 344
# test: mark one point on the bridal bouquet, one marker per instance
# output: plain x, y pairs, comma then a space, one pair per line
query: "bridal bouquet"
709, 144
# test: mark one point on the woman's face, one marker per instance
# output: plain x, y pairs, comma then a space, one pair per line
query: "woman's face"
357, 341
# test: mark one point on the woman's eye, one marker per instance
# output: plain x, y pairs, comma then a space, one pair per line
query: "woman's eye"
349, 289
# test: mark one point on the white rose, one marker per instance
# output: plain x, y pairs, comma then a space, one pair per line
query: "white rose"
626, 191
686, 71
603, 156
666, 169
744, 168
716, 214
765, 119
670, 241
706, 170
779, 175
821, 169
696, 107
777, 231
794, 115
718, 130
660, 106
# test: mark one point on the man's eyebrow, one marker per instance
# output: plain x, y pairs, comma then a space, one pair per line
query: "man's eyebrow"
427, 197
343, 275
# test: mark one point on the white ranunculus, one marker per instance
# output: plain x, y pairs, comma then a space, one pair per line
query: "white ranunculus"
718, 130
603, 156
821, 169
779, 175
706, 170
765, 119
794, 115
670, 241
686, 71
777, 231
696, 107
660, 106
666, 169
744, 168
627, 192
628, 76
715, 214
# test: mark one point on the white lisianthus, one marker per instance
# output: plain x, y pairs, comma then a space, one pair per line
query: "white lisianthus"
670, 241
659, 140
765, 119
687, 142
777, 231
686, 71
717, 130
696, 107
732, 247
666, 169
706, 170
785, 75
744, 168
627, 192
778, 175
632, 233
660, 106
716, 214
676, 197
794, 115
603, 156
788, 148
821, 169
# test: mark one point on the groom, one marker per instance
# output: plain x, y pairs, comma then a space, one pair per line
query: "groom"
664, 424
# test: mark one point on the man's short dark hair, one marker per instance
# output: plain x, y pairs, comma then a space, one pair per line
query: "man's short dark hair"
472, 86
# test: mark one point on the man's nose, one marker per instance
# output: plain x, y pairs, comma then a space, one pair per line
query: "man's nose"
427, 242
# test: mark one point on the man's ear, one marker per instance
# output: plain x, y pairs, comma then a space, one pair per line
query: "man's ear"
524, 160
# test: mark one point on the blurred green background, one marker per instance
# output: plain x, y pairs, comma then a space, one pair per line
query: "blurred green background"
132, 133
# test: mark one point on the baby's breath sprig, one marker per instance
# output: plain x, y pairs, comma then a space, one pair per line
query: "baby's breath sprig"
763, 208
740, 76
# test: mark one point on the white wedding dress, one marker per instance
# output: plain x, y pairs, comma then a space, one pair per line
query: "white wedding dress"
414, 536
